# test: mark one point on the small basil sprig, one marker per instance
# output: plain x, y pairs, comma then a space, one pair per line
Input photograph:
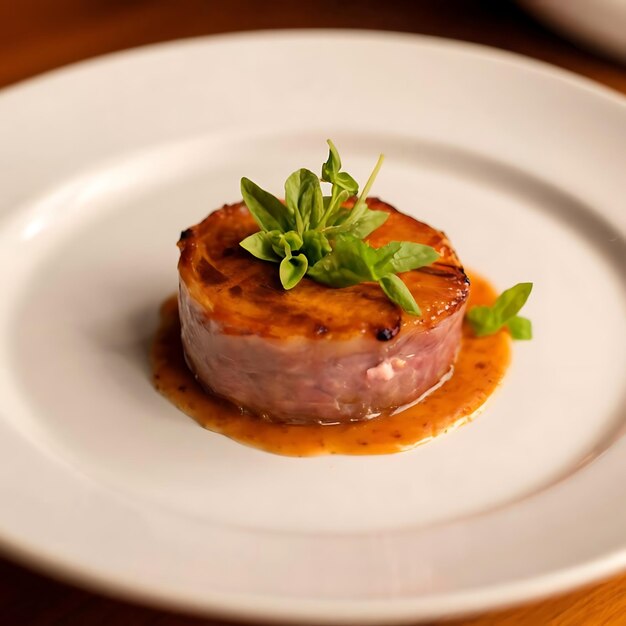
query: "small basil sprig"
315, 235
352, 262
487, 320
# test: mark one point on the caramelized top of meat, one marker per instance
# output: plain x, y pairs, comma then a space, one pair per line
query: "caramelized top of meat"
244, 294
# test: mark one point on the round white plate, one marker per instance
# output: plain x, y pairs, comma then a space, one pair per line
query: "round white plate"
105, 482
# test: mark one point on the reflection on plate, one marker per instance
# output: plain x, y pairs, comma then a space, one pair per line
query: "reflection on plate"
105, 482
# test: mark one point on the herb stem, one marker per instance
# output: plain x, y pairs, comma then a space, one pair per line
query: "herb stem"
357, 210
329, 209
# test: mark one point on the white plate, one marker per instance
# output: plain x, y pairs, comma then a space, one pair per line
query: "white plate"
102, 480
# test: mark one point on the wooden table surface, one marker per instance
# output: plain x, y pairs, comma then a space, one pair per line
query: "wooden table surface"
38, 35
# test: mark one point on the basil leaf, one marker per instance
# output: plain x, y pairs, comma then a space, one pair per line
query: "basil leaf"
303, 196
483, 321
344, 181
268, 211
277, 241
399, 293
292, 189
486, 320
384, 255
294, 240
509, 302
283, 244
312, 206
331, 173
406, 256
368, 223
274, 237
350, 263
260, 246
292, 269
315, 245
520, 328
332, 165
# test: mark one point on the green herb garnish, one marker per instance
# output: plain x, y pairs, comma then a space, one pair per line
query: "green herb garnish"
315, 235
486, 320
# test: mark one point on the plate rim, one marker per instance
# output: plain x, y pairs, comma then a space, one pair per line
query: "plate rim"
261, 609
478, 49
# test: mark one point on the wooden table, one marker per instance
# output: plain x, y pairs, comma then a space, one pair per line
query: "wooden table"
38, 35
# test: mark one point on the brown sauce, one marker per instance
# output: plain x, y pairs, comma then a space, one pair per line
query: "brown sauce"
479, 368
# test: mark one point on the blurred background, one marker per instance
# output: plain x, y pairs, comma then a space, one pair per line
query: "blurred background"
585, 36
39, 35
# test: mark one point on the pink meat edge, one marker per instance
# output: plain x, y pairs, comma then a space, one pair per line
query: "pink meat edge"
355, 379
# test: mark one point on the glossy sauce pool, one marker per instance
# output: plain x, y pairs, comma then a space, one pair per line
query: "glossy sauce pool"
479, 368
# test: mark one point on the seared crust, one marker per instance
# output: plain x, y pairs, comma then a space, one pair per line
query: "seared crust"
244, 295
